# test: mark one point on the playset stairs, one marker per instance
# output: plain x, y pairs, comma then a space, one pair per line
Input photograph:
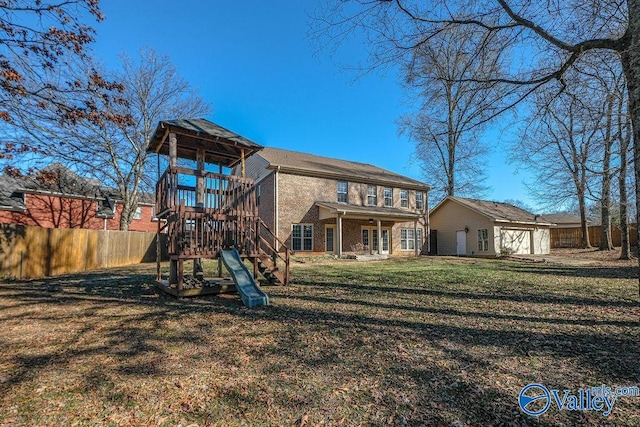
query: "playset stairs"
269, 256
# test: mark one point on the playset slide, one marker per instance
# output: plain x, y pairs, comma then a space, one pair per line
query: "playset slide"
249, 291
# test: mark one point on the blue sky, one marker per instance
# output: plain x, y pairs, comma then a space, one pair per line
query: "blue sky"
254, 62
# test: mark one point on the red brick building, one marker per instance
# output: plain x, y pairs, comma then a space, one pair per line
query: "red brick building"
58, 198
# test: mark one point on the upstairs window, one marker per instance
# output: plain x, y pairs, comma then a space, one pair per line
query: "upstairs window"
372, 195
258, 193
404, 198
343, 191
388, 197
138, 214
419, 200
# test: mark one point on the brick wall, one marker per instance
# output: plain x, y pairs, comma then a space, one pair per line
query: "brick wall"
65, 212
297, 195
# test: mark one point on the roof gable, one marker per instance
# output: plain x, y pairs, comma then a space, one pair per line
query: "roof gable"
310, 164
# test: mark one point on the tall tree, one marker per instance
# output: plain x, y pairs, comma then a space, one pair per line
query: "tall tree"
115, 152
40, 41
545, 39
623, 125
558, 147
455, 107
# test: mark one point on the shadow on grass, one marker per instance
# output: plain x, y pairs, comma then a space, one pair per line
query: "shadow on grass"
535, 298
444, 394
624, 272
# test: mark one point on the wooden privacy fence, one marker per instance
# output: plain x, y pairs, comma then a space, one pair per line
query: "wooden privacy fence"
571, 237
28, 252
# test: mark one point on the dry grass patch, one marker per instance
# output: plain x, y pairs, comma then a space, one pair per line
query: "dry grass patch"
437, 341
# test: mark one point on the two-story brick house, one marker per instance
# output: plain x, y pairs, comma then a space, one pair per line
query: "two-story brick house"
325, 205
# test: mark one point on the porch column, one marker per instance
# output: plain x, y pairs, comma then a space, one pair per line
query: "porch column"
339, 235
418, 245
379, 237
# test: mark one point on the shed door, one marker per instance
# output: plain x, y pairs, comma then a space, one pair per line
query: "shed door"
519, 241
461, 242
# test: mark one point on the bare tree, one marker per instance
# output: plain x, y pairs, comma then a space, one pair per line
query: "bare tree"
558, 146
116, 152
623, 125
41, 40
545, 39
455, 107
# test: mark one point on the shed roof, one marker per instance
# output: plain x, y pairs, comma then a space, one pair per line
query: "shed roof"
221, 146
310, 164
496, 211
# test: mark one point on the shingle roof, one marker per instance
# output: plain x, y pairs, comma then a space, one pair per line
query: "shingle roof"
220, 145
309, 164
9, 197
561, 218
498, 211
370, 210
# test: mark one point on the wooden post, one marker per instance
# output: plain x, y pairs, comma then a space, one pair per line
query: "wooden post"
379, 237
200, 181
198, 271
173, 271
173, 150
180, 275
242, 162
158, 253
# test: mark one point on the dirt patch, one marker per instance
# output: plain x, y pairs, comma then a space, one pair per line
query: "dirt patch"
597, 257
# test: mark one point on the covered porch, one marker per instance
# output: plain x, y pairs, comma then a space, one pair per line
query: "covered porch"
373, 225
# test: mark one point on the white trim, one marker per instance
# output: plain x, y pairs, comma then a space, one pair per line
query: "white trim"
384, 197
331, 227
405, 199
302, 238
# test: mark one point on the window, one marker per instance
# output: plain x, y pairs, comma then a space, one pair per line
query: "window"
404, 198
483, 240
365, 237
419, 200
410, 239
302, 237
343, 191
407, 239
388, 197
372, 195
258, 193
138, 213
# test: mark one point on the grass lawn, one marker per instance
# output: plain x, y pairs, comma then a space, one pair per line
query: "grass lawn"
430, 341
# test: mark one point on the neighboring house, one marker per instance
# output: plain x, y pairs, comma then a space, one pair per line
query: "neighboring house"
325, 205
566, 231
58, 198
484, 228
562, 220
